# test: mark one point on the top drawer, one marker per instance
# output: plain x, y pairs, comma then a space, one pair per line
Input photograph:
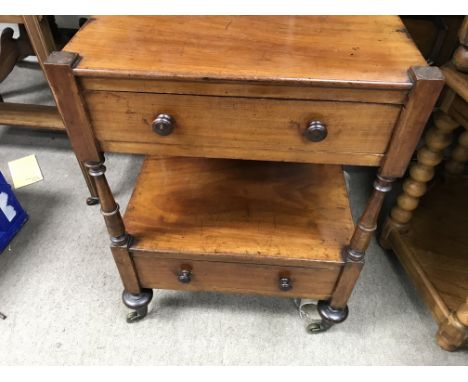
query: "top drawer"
245, 128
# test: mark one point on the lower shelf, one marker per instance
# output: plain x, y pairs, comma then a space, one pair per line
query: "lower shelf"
239, 226
434, 250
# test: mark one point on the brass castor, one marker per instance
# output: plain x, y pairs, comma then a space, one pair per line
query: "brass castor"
308, 311
318, 327
137, 315
138, 302
330, 316
92, 200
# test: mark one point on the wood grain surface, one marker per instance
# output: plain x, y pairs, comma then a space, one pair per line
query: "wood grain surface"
240, 211
70, 103
439, 240
429, 82
158, 273
433, 249
456, 80
362, 51
33, 116
246, 128
246, 89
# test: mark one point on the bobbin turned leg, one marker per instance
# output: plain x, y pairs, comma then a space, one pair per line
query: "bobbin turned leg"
430, 155
335, 311
134, 297
456, 164
460, 57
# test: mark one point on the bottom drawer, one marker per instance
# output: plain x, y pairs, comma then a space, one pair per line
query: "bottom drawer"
163, 273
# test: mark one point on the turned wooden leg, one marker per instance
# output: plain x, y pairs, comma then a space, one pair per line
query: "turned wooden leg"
93, 198
429, 156
453, 333
336, 310
460, 58
456, 164
134, 296
109, 208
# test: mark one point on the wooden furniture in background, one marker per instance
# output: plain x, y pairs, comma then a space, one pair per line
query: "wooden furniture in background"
435, 36
427, 229
35, 38
460, 57
226, 91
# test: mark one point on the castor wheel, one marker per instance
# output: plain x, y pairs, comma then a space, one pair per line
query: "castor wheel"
92, 201
317, 327
138, 303
320, 316
331, 316
308, 311
137, 315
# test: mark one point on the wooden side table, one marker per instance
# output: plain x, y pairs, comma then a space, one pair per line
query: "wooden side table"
428, 231
245, 122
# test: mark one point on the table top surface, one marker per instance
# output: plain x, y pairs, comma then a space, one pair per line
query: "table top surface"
361, 51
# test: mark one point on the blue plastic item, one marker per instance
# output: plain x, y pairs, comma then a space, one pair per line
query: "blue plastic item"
12, 215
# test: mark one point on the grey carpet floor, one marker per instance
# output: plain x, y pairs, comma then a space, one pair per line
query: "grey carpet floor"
61, 292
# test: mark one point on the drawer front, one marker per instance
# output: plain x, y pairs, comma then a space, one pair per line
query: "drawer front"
245, 128
163, 273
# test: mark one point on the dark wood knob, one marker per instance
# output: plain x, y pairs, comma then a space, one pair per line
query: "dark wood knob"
184, 276
316, 131
163, 124
285, 283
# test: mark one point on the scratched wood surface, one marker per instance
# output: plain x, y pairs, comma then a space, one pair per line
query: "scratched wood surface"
308, 282
245, 128
363, 51
245, 211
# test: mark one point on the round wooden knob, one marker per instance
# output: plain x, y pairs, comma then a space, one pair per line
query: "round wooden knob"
285, 283
184, 276
316, 131
163, 124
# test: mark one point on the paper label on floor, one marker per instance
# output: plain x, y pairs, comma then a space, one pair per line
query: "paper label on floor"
25, 171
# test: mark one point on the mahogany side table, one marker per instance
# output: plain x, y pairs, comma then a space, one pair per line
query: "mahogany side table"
245, 122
